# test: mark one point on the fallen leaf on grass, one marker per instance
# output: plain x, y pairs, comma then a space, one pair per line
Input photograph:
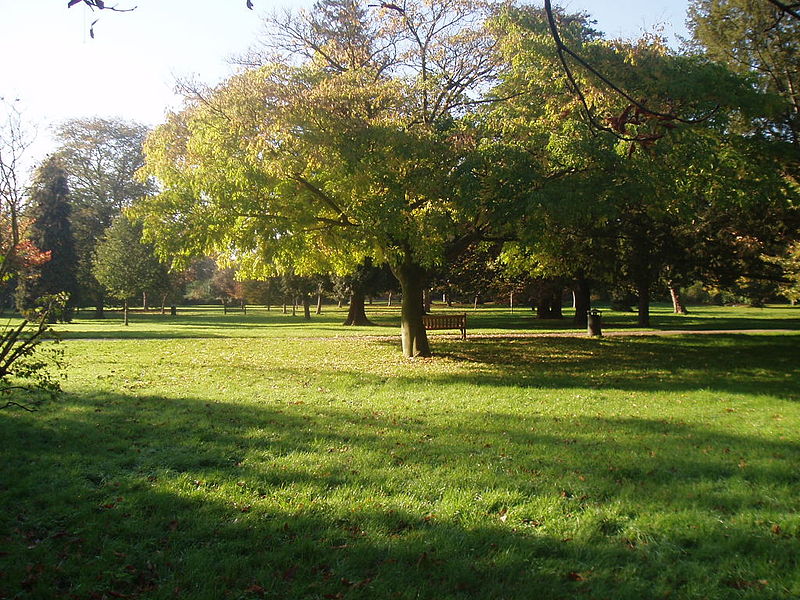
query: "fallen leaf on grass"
255, 589
532, 522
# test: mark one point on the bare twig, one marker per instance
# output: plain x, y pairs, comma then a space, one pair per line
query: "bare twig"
10, 404
789, 9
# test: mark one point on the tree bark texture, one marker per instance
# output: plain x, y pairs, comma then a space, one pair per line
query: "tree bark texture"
413, 336
306, 307
319, 304
356, 314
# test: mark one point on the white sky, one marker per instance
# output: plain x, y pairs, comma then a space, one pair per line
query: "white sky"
129, 70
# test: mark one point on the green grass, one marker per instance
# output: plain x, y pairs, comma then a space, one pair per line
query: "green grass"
256, 456
209, 322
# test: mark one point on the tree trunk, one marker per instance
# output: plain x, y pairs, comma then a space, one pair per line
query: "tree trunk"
285, 306
427, 301
224, 307
677, 304
144, 302
475, 304
643, 291
389, 303
244, 308
543, 308
413, 336
99, 309
556, 309
164, 304
306, 307
125, 312
356, 314
173, 310
582, 299
319, 304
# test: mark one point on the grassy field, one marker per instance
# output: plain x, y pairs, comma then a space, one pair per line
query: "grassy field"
257, 456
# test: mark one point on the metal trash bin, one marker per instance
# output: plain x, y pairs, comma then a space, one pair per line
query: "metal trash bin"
594, 323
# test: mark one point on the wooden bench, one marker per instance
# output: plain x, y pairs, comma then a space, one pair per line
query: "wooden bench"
447, 322
236, 307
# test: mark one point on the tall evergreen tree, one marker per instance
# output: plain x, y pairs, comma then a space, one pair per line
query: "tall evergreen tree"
51, 232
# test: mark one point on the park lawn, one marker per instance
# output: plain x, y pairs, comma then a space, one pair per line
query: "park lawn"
228, 464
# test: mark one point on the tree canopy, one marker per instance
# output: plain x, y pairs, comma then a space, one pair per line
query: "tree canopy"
355, 143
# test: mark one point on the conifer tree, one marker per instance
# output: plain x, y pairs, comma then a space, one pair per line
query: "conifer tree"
50, 231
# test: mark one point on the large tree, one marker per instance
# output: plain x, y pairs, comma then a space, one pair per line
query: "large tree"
50, 231
100, 158
356, 143
631, 198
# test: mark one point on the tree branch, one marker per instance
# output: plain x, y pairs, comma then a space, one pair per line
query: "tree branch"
9, 404
562, 50
327, 200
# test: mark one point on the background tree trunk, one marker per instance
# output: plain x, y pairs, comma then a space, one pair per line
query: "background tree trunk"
556, 309
356, 314
125, 312
643, 291
319, 304
677, 303
306, 307
582, 295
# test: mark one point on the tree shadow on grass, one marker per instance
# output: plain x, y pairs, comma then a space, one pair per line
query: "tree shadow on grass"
732, 363
152, 497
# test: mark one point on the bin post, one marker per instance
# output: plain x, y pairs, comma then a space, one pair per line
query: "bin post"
594, 323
